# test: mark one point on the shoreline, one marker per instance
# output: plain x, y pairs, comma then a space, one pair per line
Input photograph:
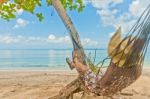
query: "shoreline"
48, 69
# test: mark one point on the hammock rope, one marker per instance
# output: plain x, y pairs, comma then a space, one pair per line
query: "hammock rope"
140, 29
117, 76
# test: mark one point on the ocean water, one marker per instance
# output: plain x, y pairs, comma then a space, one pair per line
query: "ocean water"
43, 59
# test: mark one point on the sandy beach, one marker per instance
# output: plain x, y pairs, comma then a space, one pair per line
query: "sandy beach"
45, 84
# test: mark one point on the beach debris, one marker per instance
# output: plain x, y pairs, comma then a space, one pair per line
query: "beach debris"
13, 90
126, 94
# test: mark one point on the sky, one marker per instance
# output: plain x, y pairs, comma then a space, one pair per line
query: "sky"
95, 25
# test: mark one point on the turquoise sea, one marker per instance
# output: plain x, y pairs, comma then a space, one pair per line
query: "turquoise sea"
45, 59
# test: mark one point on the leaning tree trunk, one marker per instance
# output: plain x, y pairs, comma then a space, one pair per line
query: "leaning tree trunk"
76, 85
70, 27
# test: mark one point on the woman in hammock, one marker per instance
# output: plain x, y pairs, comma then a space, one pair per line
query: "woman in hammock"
95, 83
89, 77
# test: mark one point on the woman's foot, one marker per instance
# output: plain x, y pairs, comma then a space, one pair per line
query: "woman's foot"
70, 63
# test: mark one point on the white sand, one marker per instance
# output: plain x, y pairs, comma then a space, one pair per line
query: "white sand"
44, 84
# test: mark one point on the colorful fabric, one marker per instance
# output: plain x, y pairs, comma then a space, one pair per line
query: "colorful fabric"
90, 80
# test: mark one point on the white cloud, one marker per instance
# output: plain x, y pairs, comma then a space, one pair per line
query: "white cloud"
55, 39
66, 39
107, 14
21, 23
8, 39
114, 11
117, 1
111, 34
51, 39
110, 15
89, 42
107, 17
138, 6
103, 4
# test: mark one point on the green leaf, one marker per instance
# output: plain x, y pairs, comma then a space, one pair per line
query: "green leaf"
49, 2
40, 16
7, 10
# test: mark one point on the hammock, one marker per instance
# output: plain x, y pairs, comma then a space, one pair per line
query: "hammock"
127, 54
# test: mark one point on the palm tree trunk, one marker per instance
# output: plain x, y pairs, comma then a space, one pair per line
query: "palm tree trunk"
67, 21
74, 86
71, 29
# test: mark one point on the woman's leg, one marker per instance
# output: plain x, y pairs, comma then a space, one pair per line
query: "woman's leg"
81, 68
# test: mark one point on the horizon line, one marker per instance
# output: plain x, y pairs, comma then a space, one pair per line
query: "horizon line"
55, 49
